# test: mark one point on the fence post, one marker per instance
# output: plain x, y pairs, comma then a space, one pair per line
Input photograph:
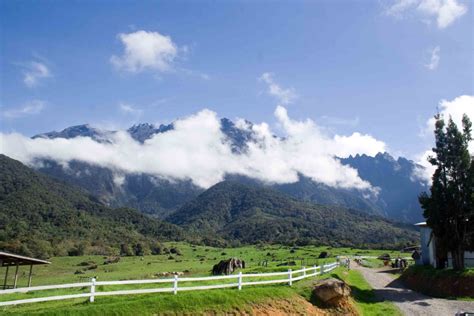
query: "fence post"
322, 268
91, 298
175, 284
240, 280
304, 271
290, 277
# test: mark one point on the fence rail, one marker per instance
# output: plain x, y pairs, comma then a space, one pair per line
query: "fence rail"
290, 277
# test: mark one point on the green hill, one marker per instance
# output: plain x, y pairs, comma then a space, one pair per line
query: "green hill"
42, 217
249, 214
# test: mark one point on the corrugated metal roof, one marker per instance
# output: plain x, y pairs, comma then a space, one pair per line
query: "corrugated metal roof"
9, 259
421, 224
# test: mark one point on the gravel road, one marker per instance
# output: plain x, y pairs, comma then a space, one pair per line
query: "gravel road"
408, 301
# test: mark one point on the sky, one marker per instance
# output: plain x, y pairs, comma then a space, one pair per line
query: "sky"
380, 69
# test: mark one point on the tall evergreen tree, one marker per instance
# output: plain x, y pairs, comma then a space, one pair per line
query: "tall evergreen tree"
449, 210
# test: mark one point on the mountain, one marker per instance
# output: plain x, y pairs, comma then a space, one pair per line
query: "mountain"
399, 191
149, 194
306, 189
249, 213
40, 216
84, 130
397, 199
142, 132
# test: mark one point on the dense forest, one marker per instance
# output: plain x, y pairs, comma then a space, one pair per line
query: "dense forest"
249, 213
43, 217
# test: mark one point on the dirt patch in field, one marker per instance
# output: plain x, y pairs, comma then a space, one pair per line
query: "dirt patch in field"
291, 306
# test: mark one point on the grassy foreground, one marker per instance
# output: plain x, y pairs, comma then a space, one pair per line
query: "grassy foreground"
193, 261
214, 301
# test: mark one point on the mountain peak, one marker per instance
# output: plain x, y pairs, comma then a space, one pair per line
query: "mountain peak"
385, 156
82, 130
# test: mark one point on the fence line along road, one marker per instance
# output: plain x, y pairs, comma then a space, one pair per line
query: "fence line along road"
289, 277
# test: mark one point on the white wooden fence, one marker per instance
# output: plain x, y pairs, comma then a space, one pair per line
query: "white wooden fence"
285, 277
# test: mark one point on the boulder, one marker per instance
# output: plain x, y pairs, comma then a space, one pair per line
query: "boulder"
331, 291
228, 266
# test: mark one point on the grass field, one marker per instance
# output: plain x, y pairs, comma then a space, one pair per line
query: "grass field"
196, 260
193, 261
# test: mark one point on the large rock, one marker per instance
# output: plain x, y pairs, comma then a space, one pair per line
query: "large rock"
331, 291
228, 266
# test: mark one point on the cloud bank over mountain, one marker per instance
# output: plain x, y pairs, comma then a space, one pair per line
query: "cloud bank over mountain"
198, 150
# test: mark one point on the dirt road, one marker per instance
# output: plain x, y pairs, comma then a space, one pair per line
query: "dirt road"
408, 301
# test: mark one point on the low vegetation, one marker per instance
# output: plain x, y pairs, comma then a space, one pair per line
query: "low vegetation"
192, 261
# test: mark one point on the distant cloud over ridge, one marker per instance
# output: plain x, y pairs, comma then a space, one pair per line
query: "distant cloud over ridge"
198, 150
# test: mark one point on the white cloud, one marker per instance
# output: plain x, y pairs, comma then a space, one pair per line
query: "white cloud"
284, 96
399, 7
130, 109
425, 172
358, 143
34, 72
434, 60
445, 12
146, 51
28, 108
198, 150
454, 109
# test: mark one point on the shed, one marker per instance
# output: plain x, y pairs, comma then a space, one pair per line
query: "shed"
427, 243
8, 260
428, 250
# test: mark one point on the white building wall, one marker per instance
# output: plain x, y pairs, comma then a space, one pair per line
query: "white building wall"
468, 259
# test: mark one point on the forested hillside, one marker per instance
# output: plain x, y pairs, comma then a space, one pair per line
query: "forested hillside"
249, 214
42, 217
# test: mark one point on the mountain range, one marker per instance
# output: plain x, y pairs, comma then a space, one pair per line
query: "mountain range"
42, 216
394, 178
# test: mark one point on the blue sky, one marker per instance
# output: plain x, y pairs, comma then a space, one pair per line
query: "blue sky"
366, 66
